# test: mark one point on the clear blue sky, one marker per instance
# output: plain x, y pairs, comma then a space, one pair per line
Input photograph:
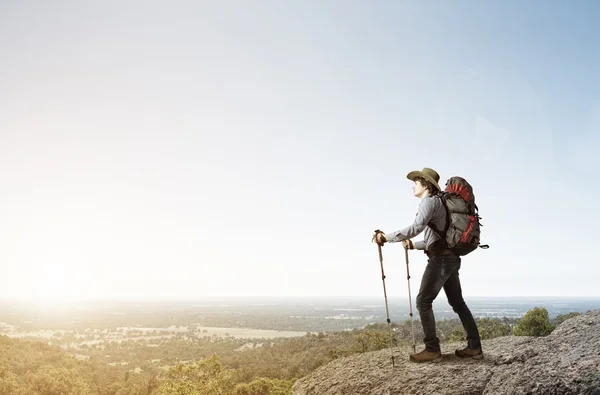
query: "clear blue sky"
251, 148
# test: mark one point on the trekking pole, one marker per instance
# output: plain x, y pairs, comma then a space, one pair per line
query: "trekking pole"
412, 324
386, 301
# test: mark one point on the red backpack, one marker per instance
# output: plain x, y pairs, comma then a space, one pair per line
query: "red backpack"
463, 229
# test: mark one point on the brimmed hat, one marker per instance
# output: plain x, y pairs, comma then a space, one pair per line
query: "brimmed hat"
429, 174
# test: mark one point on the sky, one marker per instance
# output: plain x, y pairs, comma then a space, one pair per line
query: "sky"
235, 148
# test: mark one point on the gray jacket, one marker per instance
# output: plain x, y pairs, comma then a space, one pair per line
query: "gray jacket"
430, 209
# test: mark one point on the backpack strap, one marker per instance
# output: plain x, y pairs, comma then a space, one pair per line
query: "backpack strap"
441, 233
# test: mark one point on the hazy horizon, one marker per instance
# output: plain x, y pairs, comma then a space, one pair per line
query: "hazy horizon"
282, 313
276, 298
244, 149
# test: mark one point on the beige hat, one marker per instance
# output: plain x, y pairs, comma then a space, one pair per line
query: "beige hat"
429, 174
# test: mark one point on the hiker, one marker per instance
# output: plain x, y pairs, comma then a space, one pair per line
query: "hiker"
441, 271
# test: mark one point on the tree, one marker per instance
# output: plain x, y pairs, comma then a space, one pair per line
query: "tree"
534, 323
57, 381
8, 383
263, 386
491, 328
372, 340
206, 377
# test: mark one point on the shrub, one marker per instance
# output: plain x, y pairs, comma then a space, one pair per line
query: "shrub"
534, 323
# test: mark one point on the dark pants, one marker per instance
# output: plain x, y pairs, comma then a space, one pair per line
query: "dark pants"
442, 272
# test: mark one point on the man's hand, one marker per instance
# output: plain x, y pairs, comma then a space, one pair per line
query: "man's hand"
408, 244
379, 237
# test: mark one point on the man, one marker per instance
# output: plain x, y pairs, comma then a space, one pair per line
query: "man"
441, 271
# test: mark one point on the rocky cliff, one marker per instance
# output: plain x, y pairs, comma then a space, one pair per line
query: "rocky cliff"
565, 362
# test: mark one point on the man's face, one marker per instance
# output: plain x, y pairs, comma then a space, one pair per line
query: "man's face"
418, 189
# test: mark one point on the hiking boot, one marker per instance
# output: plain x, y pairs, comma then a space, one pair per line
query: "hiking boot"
426, 356
475, 353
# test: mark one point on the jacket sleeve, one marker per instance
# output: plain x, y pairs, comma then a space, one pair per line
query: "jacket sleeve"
424, 215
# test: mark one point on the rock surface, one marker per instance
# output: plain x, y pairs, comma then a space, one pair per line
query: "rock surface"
565, 362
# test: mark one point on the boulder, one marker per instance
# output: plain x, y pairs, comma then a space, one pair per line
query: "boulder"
565, 362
